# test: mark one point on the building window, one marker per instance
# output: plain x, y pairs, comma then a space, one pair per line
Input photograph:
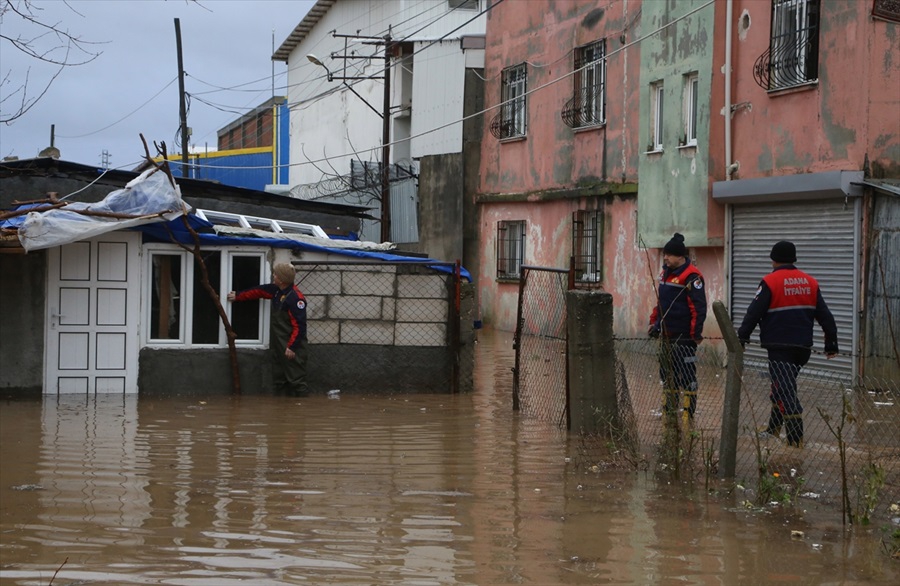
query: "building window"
462, 4
793, 54
587, 246
510, 249
510, 122
181, 312
691, 86
587, 106
656, 105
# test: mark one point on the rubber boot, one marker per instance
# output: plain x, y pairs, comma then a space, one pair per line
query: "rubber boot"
794, 427
775, 421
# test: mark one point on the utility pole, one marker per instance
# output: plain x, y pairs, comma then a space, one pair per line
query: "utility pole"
386, 146
182, 109
385, 114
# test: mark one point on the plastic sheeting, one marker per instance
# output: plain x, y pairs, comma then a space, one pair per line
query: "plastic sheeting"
150, 198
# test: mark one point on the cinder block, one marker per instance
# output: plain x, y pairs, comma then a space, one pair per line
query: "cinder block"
410, 334
356, 307
368, 283
313, 281
422, 286
323, 332
362, 332
316, 306
422, 310
388, 308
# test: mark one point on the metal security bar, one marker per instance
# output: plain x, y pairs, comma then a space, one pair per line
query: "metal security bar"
793, 54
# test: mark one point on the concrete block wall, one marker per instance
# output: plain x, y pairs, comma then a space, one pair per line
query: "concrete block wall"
378, 304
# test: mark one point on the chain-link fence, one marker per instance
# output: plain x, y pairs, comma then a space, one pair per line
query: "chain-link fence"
540, 387
843, 449
820, 436
382, 326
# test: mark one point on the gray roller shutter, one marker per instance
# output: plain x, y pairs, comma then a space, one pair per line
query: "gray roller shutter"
826, 235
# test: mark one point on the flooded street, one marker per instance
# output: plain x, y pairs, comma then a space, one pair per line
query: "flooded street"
418, 490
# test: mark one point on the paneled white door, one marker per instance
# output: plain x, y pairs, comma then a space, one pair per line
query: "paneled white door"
93, 313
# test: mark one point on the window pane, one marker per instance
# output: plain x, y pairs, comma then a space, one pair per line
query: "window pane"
165, 304
205, 319
245, 320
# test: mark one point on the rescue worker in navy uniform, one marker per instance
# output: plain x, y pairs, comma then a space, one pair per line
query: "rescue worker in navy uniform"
785, 306
287, 334
678, 320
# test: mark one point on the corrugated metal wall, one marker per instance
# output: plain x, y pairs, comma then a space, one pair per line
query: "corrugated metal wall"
438, 84
883, 299
826, 233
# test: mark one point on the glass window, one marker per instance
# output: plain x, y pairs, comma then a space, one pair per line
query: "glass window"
510, 248
587, 246
181, 311
513, 97
463, 4
793, 54
590, 85
657, 95
690, 109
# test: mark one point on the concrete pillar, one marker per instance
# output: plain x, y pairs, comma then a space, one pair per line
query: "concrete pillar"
592, 362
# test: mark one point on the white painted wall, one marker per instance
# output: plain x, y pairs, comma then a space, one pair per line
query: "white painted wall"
330, 122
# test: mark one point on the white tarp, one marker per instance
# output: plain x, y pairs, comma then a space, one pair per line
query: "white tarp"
150, 197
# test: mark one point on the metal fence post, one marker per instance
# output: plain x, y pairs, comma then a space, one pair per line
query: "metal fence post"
732, 400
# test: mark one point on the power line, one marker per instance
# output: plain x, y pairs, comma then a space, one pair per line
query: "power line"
486, 110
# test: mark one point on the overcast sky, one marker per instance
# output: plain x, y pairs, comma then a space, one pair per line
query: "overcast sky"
106, 104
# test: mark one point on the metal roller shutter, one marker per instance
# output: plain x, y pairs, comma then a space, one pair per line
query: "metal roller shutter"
825, 233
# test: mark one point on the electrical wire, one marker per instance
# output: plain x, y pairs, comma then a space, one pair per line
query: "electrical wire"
125, 116
357, 153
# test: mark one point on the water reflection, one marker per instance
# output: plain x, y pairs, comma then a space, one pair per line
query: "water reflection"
424, 489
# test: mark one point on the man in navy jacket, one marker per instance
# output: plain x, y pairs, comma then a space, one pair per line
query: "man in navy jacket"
287, 340
786, 304
678, 320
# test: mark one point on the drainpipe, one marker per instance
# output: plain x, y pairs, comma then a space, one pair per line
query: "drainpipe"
730, 167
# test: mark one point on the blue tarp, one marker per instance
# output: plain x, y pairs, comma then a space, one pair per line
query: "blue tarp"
165, 231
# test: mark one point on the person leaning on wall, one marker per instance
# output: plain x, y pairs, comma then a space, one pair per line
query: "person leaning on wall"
786, 304
678, 320
287, 339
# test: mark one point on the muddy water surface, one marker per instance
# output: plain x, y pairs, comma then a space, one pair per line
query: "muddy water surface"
418, 490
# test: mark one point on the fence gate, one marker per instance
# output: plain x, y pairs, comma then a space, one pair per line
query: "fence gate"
540, 374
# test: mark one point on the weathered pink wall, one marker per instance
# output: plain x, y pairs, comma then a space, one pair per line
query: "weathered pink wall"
538, 179
852, 111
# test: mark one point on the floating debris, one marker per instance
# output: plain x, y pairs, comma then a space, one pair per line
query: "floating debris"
28, 487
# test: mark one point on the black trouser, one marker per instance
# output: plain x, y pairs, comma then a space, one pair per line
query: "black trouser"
678, 372
784, 367
288, 376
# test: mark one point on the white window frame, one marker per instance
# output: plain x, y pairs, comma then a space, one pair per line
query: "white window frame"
789, 23
657, 95
188, 268
691, 108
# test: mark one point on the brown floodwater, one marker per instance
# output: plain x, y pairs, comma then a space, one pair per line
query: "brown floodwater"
357, 489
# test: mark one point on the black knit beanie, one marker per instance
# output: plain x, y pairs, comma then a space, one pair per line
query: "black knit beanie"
784, 252
676, 246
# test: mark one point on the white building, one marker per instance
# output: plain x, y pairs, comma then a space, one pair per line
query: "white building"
336, 94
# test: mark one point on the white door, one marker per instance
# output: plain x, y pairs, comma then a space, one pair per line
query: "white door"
93, 309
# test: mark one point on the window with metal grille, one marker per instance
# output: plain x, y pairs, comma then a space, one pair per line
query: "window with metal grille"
510, 122
587, 246
587, 107
510, 248
793, 54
